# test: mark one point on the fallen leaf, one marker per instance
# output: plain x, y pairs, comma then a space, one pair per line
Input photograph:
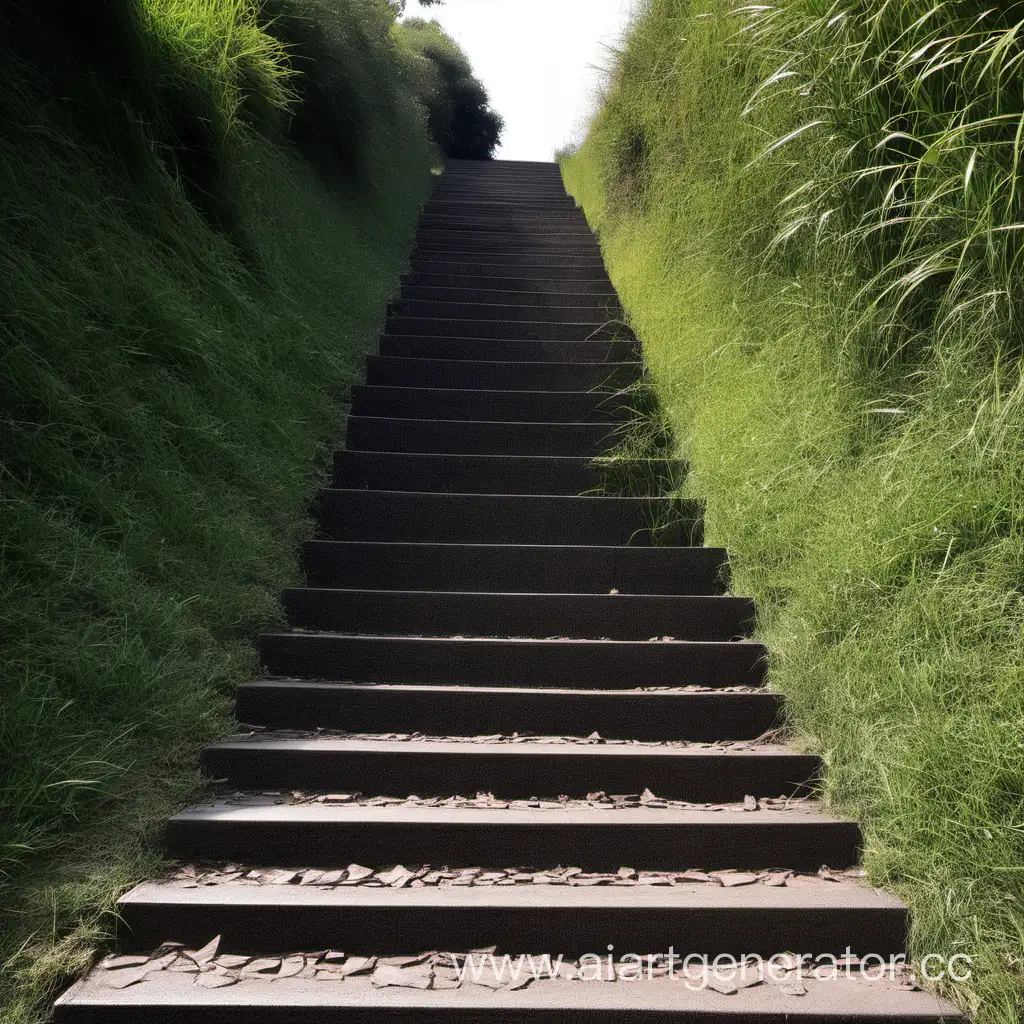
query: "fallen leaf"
402, 977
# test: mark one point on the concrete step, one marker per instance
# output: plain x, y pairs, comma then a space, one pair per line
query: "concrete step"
503, 312
544, 273
521, 568
485, 710
577, 616
511, 771
491, 374
505, 518
499, 474
499, 252
493, 406
807, 914
455, 209
170, 997
455, 223
592, 664
460, 437
514, 260
511, 349
593, 838
607, 303
526, 330
542, 288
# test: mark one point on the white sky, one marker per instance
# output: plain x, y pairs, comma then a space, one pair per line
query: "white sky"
537, 59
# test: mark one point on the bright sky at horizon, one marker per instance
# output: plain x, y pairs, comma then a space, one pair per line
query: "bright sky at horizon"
540, 61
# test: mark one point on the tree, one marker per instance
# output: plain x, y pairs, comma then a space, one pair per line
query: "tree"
460, 117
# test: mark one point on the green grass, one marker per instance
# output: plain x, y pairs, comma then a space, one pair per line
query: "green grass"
185, 297
832, 327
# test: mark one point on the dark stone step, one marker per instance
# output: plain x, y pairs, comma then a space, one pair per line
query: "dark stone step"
170, 997
545, 273
511, 771
514, 212
492, 374
502, 312
504, 474
510, 350
816, 917
317, 835
460, 437
526, 330
607, 303
525, 568
591, 664
571, 225
582, 616
496, 252
505, 518
486, 710
492, 406
469, 278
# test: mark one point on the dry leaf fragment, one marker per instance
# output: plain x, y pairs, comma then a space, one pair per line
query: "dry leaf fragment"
217, 979
358, 965
720, 983
116, 963
292, 966
282, 877
731, 879
402, 977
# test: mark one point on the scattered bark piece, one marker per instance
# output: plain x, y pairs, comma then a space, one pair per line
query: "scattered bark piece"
402, 977
217, 979
731, 879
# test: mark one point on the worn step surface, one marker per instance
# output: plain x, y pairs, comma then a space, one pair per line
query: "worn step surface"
511, 771
498, 474
513, 406
516, 294
507, 330
170, 998
598, 664
807, 913
503, 311
525, 568
595, 839
491, 374
504, 518
581, 616
509, 349
739, 714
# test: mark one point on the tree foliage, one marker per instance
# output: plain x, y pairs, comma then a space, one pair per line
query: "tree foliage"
460, 117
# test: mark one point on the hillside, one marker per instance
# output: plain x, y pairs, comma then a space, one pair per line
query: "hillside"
812, 217
206, 207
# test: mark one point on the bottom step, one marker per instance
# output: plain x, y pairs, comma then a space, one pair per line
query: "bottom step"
168, 997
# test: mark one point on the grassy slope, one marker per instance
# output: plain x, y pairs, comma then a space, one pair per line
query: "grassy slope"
169, 392
871, 497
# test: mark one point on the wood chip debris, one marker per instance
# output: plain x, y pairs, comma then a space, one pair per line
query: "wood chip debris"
481, 967
400, 876
498, 739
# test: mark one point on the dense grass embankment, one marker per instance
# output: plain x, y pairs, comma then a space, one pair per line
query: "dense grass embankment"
205, 209
813, 215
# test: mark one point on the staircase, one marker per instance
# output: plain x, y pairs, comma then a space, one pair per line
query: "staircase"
516, 708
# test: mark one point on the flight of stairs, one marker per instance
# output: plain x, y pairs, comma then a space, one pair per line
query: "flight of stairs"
516, 709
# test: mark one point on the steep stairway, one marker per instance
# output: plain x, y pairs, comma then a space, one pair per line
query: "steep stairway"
517, 712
